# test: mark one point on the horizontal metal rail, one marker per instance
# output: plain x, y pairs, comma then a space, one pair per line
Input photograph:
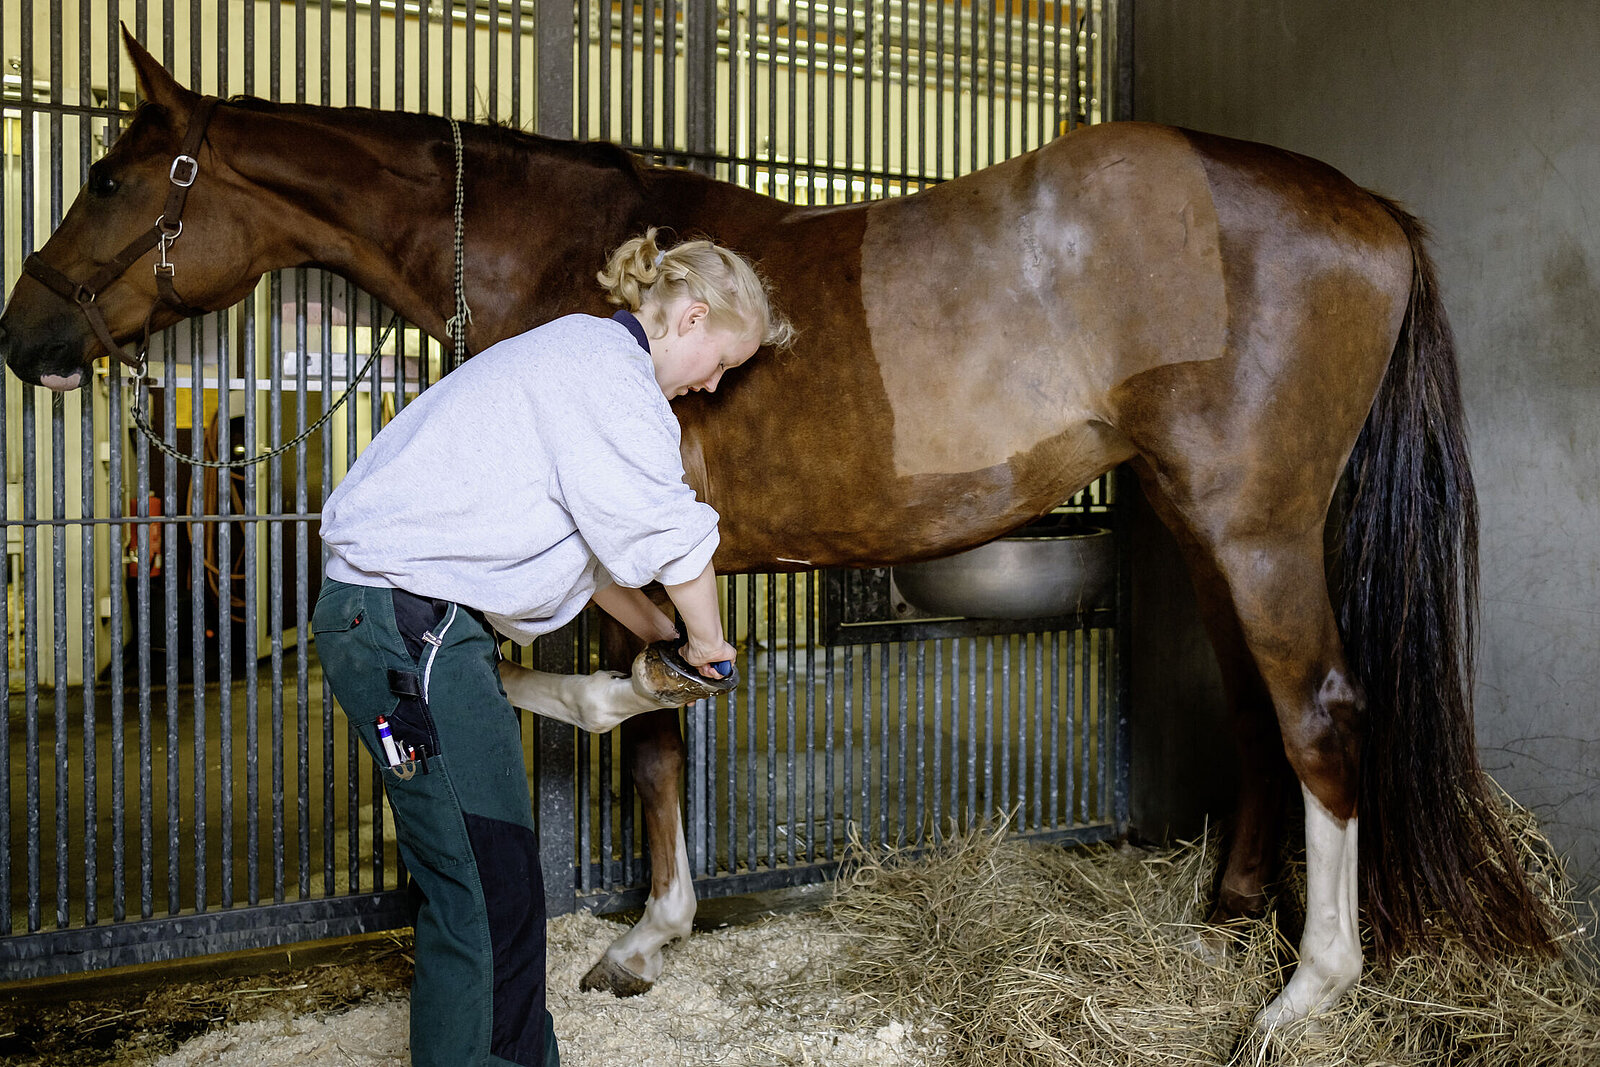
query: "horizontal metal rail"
87, 948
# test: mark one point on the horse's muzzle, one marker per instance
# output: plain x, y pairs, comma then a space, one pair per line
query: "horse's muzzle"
55, 363
62, 384
60, 379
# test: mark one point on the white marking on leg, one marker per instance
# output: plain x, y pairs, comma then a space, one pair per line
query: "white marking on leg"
594, 702
666, 918
1330, 948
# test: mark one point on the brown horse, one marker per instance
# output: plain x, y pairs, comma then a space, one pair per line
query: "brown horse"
1260, 338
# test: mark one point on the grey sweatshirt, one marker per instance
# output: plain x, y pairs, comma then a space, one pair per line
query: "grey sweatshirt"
539, 470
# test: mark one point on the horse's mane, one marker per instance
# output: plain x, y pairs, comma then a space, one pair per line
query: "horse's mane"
510, 139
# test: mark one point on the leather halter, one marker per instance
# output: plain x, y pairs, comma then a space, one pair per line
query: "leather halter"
184, 170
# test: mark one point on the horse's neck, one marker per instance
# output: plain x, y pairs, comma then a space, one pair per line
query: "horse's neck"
372, 197
328, 192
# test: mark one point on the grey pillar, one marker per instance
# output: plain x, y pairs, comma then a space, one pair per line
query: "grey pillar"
553, 89
700, 45
1121, 74
554, 790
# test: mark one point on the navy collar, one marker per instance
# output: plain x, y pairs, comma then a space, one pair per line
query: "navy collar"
626, 317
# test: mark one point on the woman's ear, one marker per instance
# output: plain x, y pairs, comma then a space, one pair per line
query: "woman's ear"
694, 314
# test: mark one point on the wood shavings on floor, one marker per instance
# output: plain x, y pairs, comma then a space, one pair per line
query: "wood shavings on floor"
744, 996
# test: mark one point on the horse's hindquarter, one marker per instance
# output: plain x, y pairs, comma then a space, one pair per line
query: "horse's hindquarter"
1316, 274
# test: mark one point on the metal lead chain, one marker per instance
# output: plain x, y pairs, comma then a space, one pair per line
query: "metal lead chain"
141, 401
457, 326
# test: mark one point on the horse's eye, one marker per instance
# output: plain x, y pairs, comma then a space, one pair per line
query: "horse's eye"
102, 185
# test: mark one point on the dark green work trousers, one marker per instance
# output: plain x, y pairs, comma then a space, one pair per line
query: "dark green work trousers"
463, 821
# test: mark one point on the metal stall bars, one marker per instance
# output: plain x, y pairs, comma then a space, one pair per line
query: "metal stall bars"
888, 731
177, 781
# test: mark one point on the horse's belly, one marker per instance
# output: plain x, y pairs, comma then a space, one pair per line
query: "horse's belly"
1003, 308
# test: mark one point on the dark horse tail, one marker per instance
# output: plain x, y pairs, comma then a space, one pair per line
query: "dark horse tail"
1434, 843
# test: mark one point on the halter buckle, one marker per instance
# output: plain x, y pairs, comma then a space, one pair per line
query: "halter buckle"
83, 295
185, 169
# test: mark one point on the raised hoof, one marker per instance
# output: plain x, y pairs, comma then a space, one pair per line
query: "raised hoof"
657, 680
612, 977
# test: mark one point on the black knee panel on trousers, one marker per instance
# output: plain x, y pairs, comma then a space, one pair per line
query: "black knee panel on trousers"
513, 895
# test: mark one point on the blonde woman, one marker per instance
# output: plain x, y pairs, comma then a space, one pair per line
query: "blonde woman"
539, 475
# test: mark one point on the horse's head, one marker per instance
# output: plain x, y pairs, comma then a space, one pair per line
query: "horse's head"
116, 267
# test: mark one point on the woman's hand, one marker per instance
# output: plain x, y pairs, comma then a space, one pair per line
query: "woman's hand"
702, 655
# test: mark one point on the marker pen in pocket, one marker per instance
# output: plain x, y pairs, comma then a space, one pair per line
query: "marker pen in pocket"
391, 751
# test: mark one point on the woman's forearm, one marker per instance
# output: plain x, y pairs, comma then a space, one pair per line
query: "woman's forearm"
696, 601
634, 610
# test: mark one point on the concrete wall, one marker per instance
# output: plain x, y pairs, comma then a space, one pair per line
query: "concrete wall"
1482, 118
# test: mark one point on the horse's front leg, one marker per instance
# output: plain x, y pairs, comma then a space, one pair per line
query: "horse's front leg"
653, 742
600, 701
593, 702
634, 961
653, 746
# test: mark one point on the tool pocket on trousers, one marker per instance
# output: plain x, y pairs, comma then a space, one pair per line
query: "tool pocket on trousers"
410, 722
412, 728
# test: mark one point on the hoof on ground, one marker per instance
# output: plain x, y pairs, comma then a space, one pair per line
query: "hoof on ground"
1211, 944
1283, 1024
612, 977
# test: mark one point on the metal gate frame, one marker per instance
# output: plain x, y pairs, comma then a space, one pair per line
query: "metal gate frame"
745, 834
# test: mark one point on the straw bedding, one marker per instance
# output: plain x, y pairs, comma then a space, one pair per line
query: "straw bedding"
1029, 955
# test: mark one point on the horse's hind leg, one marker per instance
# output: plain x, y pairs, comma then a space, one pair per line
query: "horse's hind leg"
1279, 593
1257, 545
1254, 838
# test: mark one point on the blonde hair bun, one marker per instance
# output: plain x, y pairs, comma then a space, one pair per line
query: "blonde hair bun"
641, 272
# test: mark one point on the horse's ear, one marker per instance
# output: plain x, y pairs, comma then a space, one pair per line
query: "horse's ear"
156, 85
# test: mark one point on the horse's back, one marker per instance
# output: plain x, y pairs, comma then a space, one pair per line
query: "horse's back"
1044, 283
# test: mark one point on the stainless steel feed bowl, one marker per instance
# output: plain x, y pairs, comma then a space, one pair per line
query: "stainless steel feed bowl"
1022, 576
